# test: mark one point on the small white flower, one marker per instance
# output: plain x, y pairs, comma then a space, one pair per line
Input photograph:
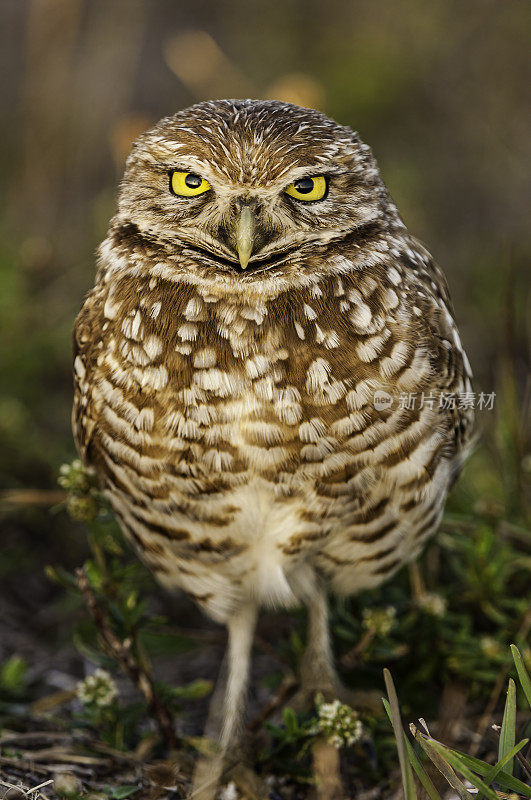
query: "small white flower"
74, 477
339, 724
98, 689
433, 604
491, 648
379, 620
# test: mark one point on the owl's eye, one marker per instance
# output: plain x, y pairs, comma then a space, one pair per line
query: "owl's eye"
187, 184
308, 189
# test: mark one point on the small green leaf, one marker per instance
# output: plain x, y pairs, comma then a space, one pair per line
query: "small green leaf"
93, 574
523, 674
489, 778
459, 764
290, 721
193, 691
60, 576
120, 792
90, 652
503, 780
13, 673
508, 728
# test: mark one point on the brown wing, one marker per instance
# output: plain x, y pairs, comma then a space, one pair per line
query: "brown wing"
87, 336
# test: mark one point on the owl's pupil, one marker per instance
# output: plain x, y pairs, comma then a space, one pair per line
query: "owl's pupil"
193, 181
304, 185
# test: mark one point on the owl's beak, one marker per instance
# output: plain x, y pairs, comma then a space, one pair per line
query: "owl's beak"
244, 235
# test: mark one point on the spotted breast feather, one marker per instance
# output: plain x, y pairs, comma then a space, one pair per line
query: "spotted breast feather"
240, 443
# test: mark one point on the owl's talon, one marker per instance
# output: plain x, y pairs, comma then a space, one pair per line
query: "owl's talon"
250, 784
216, 771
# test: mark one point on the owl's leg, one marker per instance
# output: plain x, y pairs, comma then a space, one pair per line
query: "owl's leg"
230, 723
317, 671
241, 633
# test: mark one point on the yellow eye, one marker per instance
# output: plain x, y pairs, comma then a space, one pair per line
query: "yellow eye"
188, 184
308, 189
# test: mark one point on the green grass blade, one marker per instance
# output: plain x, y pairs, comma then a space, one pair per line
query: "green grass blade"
420, 772
458, 764
441, 763
505, 781
523, 674
491, 776
396, 722
508, 728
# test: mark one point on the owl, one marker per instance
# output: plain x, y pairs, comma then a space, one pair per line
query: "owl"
268, 374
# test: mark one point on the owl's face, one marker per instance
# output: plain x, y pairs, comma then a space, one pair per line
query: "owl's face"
250, 185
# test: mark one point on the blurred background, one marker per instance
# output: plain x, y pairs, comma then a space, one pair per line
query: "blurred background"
437, 89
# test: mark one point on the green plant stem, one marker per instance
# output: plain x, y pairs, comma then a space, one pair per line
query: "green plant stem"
122, 654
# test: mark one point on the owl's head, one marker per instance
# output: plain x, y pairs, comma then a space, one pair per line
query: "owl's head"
244, 185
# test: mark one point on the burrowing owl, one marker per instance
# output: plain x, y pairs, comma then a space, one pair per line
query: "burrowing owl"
268, 372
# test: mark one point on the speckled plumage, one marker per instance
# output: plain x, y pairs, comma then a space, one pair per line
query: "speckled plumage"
229, 414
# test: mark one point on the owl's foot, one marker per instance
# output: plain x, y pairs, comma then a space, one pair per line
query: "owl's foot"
319, 678
249, 784
361, 700
219, 769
